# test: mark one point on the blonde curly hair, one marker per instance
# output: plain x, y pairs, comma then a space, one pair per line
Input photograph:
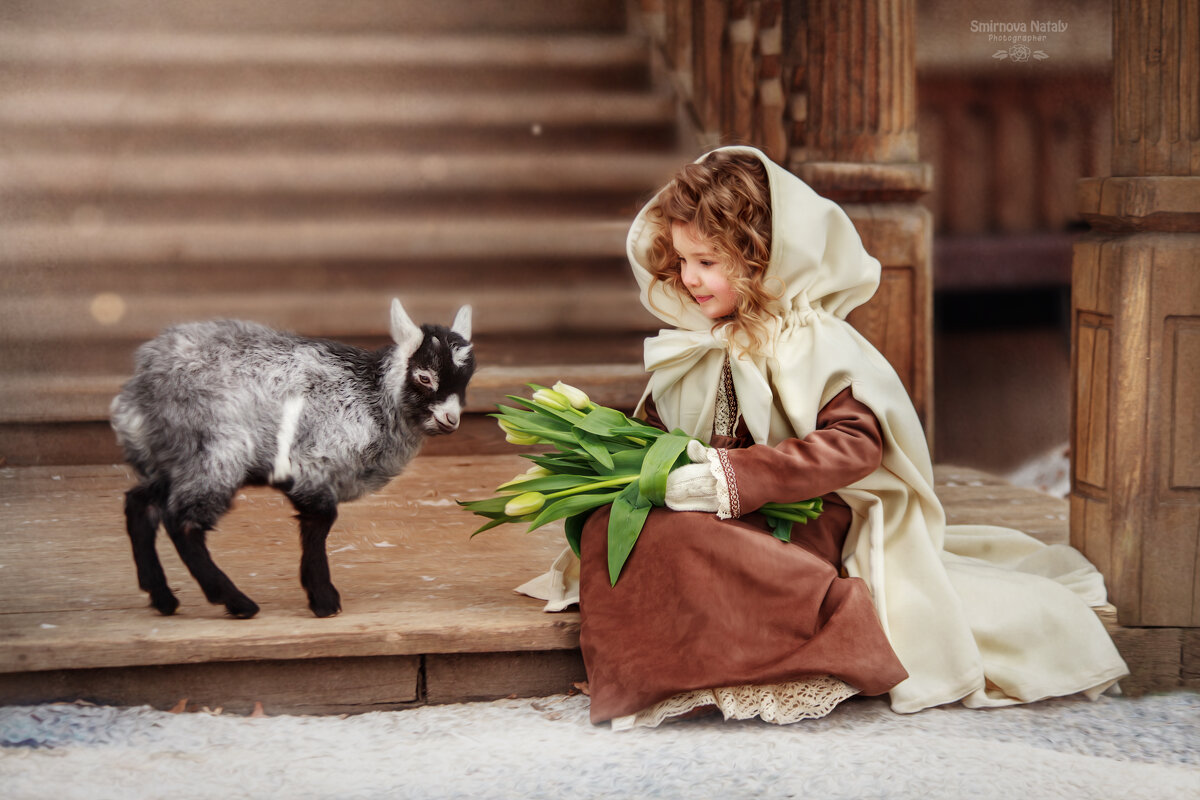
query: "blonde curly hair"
726, 198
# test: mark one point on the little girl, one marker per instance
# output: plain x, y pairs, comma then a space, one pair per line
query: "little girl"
755, 273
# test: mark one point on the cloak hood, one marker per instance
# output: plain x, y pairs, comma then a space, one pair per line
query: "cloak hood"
815, 252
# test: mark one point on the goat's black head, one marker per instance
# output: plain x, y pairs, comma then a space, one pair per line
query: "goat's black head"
440, 363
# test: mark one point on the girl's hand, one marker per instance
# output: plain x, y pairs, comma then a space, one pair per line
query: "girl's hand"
693, 487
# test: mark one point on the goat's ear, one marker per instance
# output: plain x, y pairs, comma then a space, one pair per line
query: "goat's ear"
462, 323
404, 330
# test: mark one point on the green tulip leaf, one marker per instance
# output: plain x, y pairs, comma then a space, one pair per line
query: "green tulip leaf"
601, 421
547, 483
562, 464
626, 462
549, 416
492, 507
571, 505
625, 523
532, 423
488, 526
536, 415
661, 458
595, 448
781, 529
643, 432
573, 527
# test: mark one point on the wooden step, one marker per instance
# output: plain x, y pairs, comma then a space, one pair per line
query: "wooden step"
240, 186
429, 614
93, 442
176, 122
397, 275
335, 172
44, 60
62, 418
272, 242
523, 135
112, 355
520, 273
132, 316
407, 571
42, 398
237, 110
345, 16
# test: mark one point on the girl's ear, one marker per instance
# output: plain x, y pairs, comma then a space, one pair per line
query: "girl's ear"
405, 332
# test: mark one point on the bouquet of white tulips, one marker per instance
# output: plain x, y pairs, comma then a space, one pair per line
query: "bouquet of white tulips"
599, 457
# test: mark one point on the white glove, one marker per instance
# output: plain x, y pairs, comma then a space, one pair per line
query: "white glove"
692, 487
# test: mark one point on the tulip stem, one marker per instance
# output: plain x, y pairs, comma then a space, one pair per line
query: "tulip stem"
621, 480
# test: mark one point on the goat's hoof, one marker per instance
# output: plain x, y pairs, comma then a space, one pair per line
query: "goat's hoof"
164, 602
241, 608
326, 606
326, 610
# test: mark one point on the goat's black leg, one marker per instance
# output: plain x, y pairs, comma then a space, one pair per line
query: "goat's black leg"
316, 516
143, 512
188, 530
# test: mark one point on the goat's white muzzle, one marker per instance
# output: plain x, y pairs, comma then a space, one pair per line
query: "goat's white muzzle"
446, 416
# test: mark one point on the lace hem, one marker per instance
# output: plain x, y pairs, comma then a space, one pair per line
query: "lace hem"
780, 703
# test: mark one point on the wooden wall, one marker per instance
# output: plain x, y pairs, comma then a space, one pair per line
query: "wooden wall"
1007, 148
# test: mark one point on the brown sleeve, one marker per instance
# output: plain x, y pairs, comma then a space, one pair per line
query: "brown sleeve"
846, 446
651, 412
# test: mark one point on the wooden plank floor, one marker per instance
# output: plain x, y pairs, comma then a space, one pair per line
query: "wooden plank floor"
412, 582
429, 614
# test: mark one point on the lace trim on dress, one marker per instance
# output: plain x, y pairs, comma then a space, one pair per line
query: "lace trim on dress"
729, 505
725, 417
725, 420
726, 488
780, 703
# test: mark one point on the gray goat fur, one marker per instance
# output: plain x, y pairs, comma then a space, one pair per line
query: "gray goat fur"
214, 406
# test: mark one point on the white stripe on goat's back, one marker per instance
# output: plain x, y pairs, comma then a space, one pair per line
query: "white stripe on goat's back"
281, 469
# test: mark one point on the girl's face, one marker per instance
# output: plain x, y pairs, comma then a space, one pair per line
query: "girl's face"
704, 272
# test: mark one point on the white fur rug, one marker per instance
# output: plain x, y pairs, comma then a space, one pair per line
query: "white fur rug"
546, 748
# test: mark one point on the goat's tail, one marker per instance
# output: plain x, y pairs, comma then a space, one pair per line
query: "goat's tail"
129, 425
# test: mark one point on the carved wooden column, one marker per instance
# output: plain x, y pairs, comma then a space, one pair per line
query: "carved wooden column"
1135, 355
829, 90
853, 138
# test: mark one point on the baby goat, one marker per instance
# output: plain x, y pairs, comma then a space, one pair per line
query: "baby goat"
214, 406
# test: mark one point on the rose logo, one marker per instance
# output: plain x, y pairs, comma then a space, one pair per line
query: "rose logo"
1020, 53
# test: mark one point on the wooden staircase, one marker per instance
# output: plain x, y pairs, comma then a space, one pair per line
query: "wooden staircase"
299, 163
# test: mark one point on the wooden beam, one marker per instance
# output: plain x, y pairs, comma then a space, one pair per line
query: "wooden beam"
310, 686
461, 677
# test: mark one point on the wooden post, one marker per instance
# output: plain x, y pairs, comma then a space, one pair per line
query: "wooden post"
1135, 345
854, 140
709, 66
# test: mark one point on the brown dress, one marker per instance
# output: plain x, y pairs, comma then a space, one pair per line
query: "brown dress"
705, 603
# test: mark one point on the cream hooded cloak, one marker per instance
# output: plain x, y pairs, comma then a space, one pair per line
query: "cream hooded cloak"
986, 615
